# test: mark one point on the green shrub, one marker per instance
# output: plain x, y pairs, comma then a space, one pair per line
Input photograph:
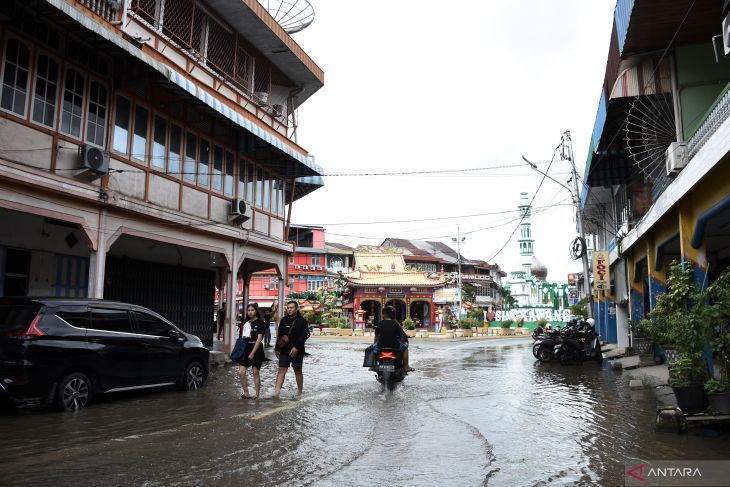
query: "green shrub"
476, 314
714, 386
506, 324
408, 324
469, 323
542, 322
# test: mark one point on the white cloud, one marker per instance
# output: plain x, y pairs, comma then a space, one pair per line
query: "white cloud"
425, 85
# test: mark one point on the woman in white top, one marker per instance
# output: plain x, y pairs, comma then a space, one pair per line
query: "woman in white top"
253, 330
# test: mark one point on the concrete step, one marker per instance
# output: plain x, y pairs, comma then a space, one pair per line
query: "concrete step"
218, 358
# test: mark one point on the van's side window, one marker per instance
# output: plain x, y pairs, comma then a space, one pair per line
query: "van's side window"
78, 317
151, 325
108, 319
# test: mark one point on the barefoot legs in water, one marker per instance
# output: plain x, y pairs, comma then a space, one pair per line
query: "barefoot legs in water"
244, 381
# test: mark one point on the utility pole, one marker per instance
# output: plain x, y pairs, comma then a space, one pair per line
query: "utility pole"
459, 239
568, 144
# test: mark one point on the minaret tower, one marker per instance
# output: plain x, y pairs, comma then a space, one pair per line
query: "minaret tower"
525, 240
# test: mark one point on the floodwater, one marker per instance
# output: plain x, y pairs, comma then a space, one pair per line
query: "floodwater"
474, 413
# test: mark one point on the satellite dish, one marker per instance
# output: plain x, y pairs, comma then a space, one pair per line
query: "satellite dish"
292, 15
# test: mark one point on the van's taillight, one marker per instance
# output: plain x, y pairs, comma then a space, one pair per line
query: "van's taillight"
31, 332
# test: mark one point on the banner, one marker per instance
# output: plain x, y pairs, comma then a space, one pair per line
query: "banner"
601, 277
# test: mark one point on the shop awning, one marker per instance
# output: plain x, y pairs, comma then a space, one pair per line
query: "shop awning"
244, 122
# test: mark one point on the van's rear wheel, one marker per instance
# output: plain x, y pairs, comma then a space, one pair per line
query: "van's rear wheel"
74, 392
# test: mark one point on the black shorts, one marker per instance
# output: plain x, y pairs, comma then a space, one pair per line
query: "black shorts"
296, 363
258, 357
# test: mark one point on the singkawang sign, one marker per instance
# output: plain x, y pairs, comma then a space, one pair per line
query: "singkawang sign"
601, 276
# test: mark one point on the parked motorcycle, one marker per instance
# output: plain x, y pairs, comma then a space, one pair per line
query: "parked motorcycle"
389, 367
582, 344
544, 345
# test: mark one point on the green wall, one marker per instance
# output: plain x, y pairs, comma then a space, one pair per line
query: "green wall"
700, 81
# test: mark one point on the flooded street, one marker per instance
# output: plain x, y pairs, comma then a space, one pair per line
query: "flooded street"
474, 413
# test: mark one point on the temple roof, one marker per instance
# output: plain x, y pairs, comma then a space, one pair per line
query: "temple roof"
378, 266
393, 279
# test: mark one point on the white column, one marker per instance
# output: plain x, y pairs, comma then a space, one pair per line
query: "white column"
97, 260
231, 307
280, 298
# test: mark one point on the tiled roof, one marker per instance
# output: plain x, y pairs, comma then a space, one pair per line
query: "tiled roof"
338, 246
430, 251
424, 248
383, 268
393, 279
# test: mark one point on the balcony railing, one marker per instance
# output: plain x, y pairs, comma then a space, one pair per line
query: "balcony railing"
716, 116
216, 46
107, 9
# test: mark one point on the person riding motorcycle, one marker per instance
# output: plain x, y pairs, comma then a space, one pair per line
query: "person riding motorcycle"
389, 334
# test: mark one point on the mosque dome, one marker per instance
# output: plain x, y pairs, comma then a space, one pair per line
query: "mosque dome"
538, 269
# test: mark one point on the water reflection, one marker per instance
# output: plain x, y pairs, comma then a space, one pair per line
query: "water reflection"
473, 413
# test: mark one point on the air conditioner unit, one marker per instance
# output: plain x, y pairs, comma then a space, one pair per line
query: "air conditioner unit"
297, 266
240, 210
93, 159
676, 157
305, 267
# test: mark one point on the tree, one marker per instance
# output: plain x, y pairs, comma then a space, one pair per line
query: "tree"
468, 292
580, 309
508, 301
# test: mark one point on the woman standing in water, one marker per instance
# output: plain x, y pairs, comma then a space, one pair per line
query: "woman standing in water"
253, 330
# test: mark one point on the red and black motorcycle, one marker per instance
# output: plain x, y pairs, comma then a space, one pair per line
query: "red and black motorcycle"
389, 367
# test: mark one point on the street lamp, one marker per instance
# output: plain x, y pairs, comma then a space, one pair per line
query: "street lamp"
458, 240
575, 195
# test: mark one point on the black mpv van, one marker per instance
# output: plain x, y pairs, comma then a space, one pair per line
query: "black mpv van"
63, 351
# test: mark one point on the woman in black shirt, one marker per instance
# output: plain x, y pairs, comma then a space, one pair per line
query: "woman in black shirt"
254, 330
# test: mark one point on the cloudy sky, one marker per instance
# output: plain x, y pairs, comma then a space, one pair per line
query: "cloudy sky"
421, 85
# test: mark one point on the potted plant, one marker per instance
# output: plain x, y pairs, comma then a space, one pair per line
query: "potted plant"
641, 340
680, 317
505, 326
718, 388
466, 325
410, 327
686, 377
718, 395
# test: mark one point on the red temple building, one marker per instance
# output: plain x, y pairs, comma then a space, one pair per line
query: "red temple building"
380, 279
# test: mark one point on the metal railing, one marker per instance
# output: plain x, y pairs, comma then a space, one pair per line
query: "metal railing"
216, 45
719, 113
107, 9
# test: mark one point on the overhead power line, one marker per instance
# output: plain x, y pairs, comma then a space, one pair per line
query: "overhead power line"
416, 220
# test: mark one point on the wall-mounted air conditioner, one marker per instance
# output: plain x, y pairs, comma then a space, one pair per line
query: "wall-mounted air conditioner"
297, 266
240, 211
93, 159
676, 157
305, 267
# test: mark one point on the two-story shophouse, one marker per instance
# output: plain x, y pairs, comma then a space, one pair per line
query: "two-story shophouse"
147, 150
657, 178
314, 265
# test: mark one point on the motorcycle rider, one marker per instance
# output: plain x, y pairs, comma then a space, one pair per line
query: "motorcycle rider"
389, 334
